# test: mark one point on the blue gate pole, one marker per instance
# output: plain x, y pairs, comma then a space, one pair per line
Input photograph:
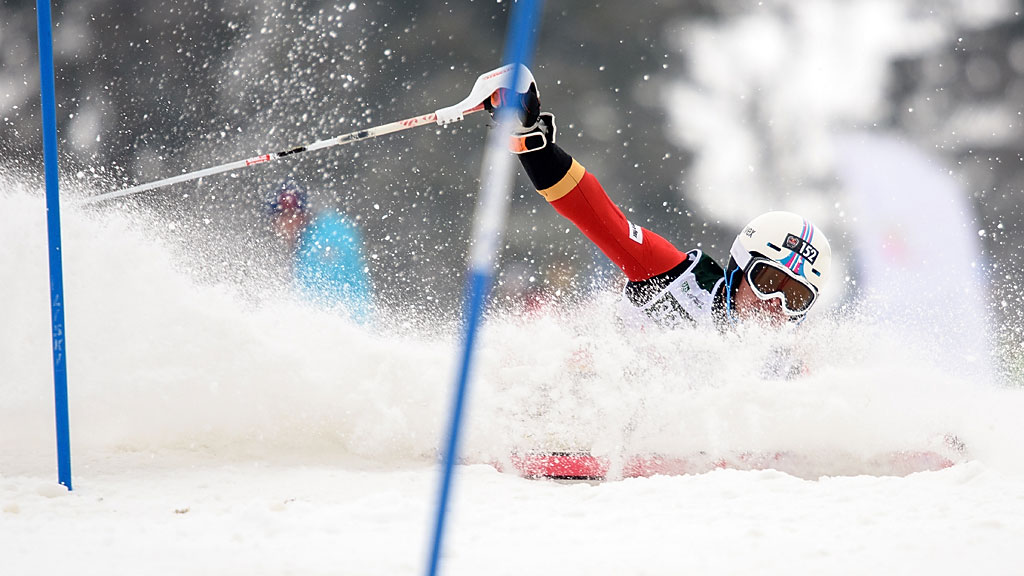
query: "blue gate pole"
488, 227
49, 109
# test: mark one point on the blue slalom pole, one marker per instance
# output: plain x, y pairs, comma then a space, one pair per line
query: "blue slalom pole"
488, 227
49, 108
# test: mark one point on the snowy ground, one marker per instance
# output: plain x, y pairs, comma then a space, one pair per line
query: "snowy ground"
155, 514
214, 435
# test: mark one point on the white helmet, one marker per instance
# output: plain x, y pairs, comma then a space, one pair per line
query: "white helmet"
784, 242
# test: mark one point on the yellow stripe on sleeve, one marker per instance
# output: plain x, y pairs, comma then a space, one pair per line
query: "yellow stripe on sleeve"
566, 184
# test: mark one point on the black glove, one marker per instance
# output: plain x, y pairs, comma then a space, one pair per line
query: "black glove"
535, 129
527, 111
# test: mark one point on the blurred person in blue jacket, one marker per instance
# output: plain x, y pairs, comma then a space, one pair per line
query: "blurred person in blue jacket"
327, 251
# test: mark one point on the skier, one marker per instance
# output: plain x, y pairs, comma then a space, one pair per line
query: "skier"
777, 264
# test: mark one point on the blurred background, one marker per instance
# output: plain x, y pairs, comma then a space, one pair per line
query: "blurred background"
895, 125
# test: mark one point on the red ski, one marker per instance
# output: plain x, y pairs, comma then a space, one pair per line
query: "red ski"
578, 465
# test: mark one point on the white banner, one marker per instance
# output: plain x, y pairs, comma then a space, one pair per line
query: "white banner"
918, 255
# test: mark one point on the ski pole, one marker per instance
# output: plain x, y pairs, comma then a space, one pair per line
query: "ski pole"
263, 158
485, 85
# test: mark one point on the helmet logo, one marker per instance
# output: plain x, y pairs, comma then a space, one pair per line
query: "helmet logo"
801, 247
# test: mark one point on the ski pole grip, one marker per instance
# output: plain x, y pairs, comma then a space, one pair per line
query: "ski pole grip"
485, 85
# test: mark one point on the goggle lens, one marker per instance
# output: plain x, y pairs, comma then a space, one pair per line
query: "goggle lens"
767, 280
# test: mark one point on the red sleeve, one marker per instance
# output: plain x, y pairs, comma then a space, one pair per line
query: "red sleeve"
639, 252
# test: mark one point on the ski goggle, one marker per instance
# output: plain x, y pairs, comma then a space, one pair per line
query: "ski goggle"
768, 279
